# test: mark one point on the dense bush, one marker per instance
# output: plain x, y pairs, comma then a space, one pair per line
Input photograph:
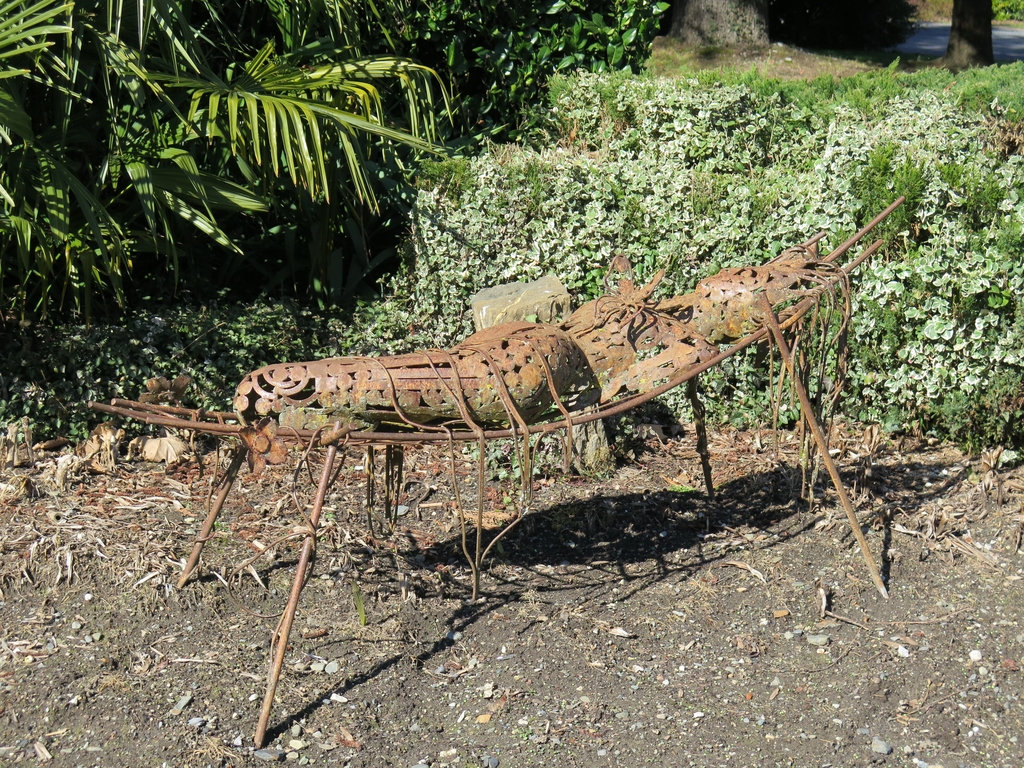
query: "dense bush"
696, 175
840, 24
498, 55
50, 372
1008, 10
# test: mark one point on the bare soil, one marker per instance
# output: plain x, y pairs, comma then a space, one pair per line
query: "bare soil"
628, 621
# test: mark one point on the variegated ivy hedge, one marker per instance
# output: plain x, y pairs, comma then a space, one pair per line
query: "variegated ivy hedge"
694, 176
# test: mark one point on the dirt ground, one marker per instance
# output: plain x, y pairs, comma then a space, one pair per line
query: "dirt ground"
627, 621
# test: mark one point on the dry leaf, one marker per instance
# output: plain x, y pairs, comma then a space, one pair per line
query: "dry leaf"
484, 718
780, 613
101, 449
498, 704
19, 488
345, 739
263, 446
161, 390
619, 632
168, 449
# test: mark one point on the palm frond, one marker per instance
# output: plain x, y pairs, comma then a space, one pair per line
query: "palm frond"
13, 116
277, 110
25, 28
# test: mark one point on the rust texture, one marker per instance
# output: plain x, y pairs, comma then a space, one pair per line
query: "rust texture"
624, 343
523, 367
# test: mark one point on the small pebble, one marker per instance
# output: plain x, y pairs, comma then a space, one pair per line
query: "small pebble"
332, 668
421, 765
197, 722
490, 762
76, 625
317, 666
879, 746
903, 651
819, 640
402, 510
337, 698
182, 703
296, 730
297, 744
272, 755
292, 756
975, 655
602, 752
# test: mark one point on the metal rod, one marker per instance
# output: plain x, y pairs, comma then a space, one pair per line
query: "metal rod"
284, 628
819, 438
865, 229
702, 435
223, 488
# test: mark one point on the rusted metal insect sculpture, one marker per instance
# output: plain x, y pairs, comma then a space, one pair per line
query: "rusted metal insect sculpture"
520, 381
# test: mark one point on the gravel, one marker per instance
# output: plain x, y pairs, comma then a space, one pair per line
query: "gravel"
270, 755
881, 747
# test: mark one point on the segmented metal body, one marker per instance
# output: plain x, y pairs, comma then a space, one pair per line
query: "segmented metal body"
499, 375
727, 305
620, 344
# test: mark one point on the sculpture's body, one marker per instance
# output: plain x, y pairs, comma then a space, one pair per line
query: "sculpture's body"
617, 345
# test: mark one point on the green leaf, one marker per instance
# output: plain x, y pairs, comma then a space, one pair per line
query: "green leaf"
54, 191
200, 221
13, 116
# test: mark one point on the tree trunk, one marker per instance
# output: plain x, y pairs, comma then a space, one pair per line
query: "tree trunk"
970, 38
720, 22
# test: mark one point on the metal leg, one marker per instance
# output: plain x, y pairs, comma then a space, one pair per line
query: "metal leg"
280, 640
819, 438
702, 434
224, 487
394, 461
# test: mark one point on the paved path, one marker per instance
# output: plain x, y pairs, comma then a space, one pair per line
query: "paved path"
931, 39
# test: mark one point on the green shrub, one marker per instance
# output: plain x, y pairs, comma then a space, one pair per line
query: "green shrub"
1008, 10
51, 371
500, 54
696, 175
